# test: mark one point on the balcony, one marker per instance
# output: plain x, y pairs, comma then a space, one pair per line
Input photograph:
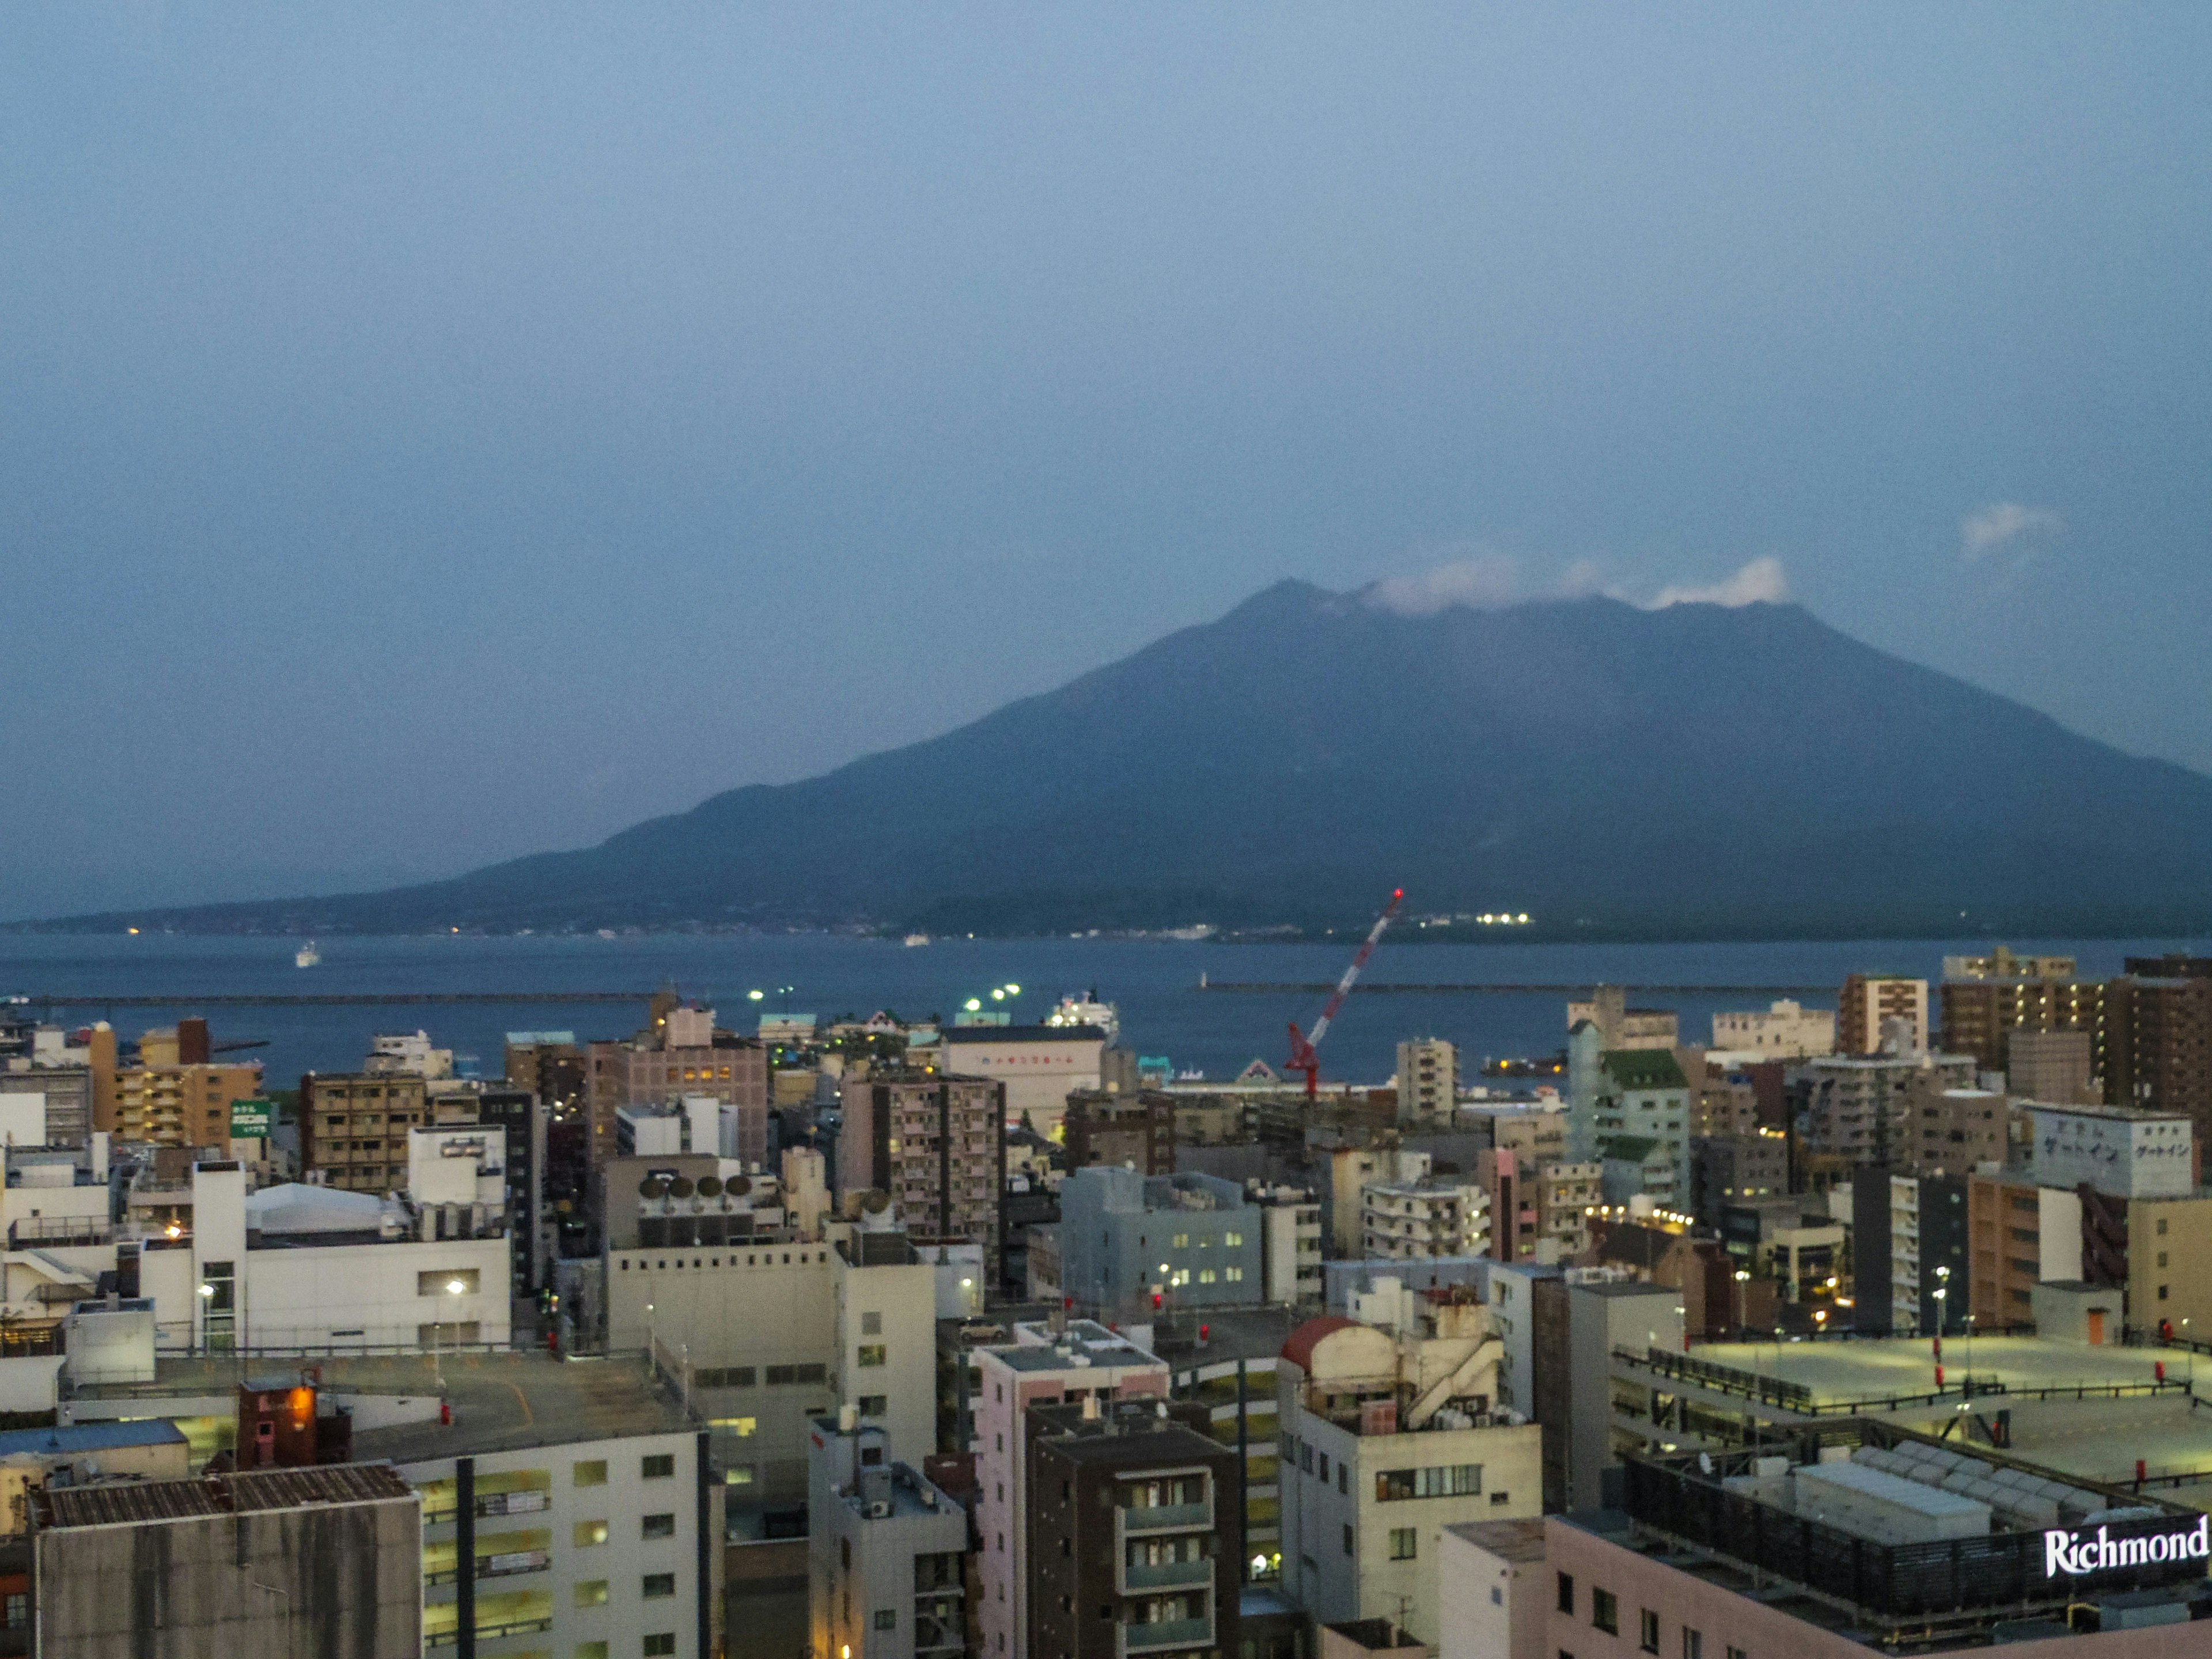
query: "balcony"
1164, 1633
1165, 1517
1165, 1575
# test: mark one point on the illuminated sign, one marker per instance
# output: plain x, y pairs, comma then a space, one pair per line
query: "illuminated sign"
2075, 1552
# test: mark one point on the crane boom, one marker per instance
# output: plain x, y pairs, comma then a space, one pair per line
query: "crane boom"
1303, 1057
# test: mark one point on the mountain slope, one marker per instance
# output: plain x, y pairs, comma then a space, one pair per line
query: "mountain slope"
1693, 771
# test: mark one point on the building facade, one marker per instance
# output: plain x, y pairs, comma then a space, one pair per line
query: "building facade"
1869, 1002
1192, 1241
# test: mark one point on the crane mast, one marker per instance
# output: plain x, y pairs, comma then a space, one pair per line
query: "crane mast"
1303, 1044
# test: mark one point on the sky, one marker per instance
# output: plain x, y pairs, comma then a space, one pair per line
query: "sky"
430, 433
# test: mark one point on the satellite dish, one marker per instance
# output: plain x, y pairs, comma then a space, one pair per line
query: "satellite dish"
649, 1187
875, 1201
737, 1185
710, 1186
680, 1187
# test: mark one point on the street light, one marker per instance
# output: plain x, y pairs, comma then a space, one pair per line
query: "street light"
1743, 1278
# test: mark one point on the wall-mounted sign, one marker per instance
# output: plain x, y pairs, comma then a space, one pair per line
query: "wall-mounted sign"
2076, 1552
250, 1118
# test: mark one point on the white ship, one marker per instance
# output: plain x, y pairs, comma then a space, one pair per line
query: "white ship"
917, 938
306, 955
1087, 1011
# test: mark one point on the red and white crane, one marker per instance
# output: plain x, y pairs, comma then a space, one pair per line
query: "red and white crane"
1303, 1057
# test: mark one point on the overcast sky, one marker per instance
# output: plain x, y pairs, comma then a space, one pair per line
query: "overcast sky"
430, 433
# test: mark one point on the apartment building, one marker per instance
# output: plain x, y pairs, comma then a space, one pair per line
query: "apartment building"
1620, 1026
1861, 1108
1910, 1253
2060, 1067
1042, 1366
1417, 1220
1386, 1439
1626, 1094
1136, 1131
1869, 1002
1135, 1532
2158, 1035
1428, 1082
1192, 1240
178, 1105
1290, 1245
1728, 1170
354, 1128
682, 1053
1985, 1001
2019, 1234
937, 1143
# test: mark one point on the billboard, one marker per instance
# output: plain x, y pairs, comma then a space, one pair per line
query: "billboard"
250, 1118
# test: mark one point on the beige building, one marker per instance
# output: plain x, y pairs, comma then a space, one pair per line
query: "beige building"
937, 1144
1040, 1064
1869, 1002
1418, 1220
353, 1126
682, 1053
1623, 1027
1783, 1030
178, 1105
1428, 1082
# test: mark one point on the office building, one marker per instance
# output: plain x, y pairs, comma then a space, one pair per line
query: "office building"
1135, 1523
1782, 1030
1193, 1240
2059, 1066
1428, 1082
1040, 1064
1868, 1003
936, 1143
2119, 1150
1388, 1437
1730, 1169
682, 1051
887, 1552
1872, 1537
1862, 1109
1042, 1366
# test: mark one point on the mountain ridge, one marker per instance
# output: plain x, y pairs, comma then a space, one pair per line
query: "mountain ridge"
1691, 771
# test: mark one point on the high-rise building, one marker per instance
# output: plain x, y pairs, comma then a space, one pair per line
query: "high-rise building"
2058, 1066
1135, 1524
1428, 1082
1985, 1000
937, 1144
171, 1102
2158, 1037
1908, 1253
1042, 1366
1868, 1001
682, 1053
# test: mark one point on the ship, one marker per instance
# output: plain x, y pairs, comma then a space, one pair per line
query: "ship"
1087, 1011
917, 938
306, 955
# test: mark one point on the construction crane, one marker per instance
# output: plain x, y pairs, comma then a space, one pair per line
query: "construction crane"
1303, 1057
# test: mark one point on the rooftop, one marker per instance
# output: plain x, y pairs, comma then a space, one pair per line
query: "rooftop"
1126, 1431
138, 1502
1508, 1541
1085, 1342
68, 1441
958, 1034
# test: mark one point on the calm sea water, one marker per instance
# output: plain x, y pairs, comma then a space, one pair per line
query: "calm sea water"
1154, 984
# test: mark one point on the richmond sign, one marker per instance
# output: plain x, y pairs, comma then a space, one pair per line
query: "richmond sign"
2077, 1552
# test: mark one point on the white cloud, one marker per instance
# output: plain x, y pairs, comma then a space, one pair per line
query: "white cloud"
1760, 582
2002, 522
1483, 581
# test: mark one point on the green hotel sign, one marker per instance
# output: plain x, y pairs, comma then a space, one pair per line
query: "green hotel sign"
250, 1118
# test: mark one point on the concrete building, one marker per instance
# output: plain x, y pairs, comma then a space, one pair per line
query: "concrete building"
1783, 1030
886, 1552
1910, 1259
1040, 1064
1416, 1220
1042, 1366
1135, 1130
1351, 1169
1632, 1093
1604, 1316
1860, 1108
1135, 1524
1826, 1549
1622, 1027
1290, 1245
178, 1104
937, 1143
1387, 1438
1986, 1002
1949, 1130
1494, 1596
2158, 1028
1125, 1238
2058, 1066
1728, 1170
65, 1089
682, 1051
2119, 1150
353, 1126
1428, 1082
1869, 1001
2020, 1233
262, 1565
1528, 1311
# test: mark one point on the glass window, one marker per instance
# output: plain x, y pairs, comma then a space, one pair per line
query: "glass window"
592, 1593
659, 1468
1648, 1632
589, 1534
443, 1283
659, 1584
886, 1618
1403, 1542
1693, 1643
1605, 1611
874, 1353
660, 1645
593, 1474
591, 1651
872, 1324
1347, 1538
659, 1526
